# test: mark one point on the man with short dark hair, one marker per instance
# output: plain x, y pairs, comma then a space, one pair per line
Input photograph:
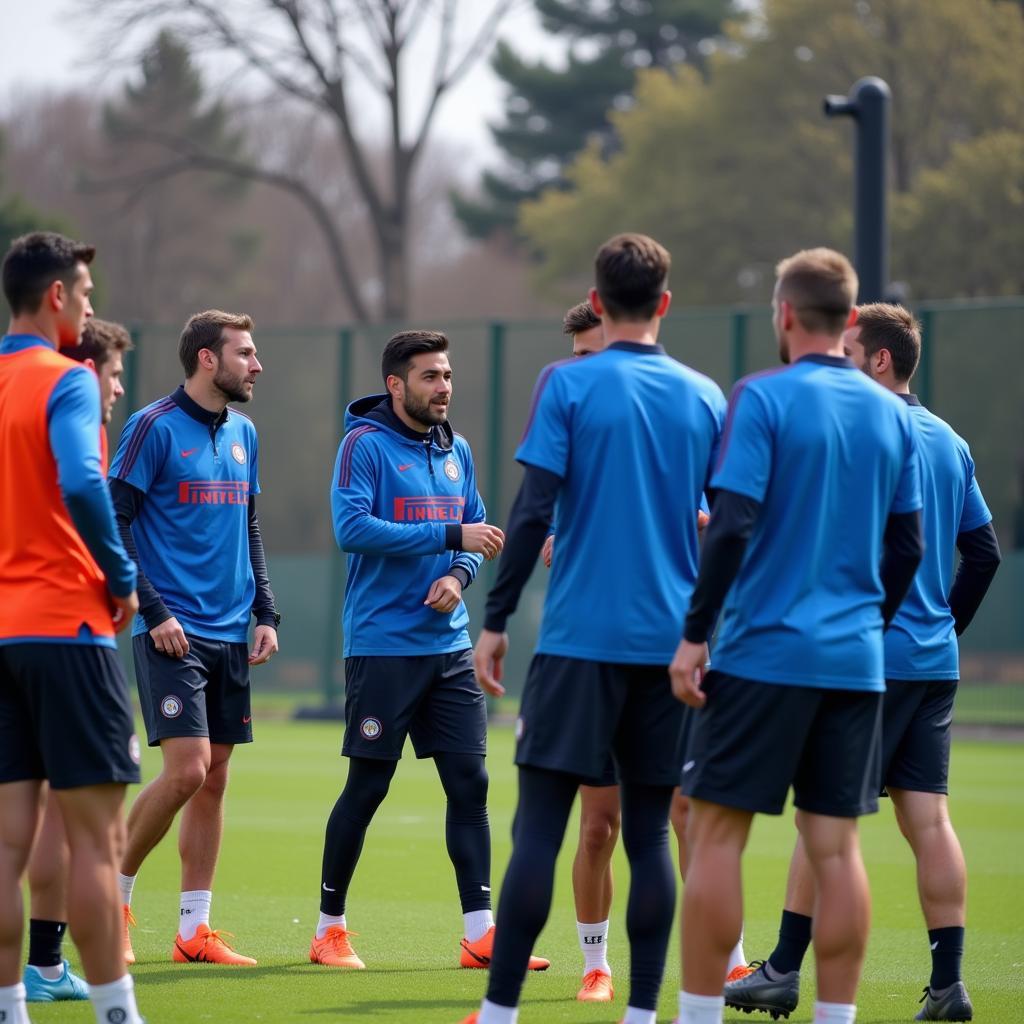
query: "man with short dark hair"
818, 473
67, 586
623, 441
48, 977
184, 482
921, 670
408, 516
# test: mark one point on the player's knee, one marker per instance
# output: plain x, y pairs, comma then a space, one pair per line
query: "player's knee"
679, 815
216, 781
465, 781
185, 778
599, 832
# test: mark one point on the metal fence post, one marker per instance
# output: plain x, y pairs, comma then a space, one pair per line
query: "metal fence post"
336, 570
739, 344
923, 377
130, 372
496, 424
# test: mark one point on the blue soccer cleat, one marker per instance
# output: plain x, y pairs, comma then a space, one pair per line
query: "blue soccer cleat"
68, 986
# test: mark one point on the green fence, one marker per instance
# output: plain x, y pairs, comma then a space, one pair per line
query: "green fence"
972, 373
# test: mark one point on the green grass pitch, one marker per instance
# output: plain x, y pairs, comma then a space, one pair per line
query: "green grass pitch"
404, 905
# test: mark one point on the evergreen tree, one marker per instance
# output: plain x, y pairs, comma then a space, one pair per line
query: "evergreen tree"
551, 113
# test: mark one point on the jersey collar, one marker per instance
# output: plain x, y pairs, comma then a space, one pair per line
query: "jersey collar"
11, 343
910, 399
816, 357
213, 420
637, 347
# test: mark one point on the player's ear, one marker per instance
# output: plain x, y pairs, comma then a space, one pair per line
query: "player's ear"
207, 360
394, 385
663, 303
55, 296
785, 314
595, 302
852, 318
91, 363
883, 360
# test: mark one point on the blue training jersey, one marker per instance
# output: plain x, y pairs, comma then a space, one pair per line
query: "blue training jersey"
197, 471
633, 435
920, 642
830, 455
392, 497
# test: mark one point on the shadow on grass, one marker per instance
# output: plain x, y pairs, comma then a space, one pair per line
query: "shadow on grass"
220, 973
460, 1008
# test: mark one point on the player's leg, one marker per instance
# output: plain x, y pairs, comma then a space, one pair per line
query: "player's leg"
48, 978
600, 821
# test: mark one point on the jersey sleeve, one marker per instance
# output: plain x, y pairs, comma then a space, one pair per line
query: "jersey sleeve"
356, 529
546, 437
975, 512
141, 452
908, 490
717, 407
254, 463
744, 461
474, 511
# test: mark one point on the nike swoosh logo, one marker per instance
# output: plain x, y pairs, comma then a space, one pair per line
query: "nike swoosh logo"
186, 454
689, 766
246, 719
935, 945
402, 469
327, 888
485, 888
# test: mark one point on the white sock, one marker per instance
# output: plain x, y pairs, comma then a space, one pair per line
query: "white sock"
700, 1009
834, 1013
476, 924
492, 1013
736, 957
594, 943
635, 1016
12, 1004
195, 910
329, 921
116, 995
50, 973
126, 883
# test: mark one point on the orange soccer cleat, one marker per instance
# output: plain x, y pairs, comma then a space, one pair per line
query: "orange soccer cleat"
129, 919
597, 987
334, 949
739, 971
478, 954
471, 1019
208, 947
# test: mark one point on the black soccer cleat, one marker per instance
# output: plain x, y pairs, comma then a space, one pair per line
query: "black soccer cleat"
759, 992
950, 1003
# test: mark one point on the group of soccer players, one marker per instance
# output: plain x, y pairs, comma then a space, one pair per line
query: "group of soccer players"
834, 664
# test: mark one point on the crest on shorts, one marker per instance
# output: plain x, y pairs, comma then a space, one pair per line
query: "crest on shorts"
134, 749
117, 1015
451, 469
371, 728
238, 453
170, 707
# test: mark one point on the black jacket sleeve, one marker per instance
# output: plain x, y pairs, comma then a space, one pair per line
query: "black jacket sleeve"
528, 525
979, 559
725, 542
902, 550
264, 607
127, 504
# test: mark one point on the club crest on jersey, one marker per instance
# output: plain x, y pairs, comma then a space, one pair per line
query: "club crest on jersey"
238, 453
371, 728
451, 469
134, 750
170, 707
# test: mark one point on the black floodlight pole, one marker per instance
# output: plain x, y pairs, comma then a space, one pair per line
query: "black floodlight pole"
868, 104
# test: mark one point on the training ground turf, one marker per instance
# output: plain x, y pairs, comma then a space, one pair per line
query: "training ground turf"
404, 905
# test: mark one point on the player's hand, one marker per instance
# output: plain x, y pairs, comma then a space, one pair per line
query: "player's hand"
124, 609
482, 539
687, 673
445, 594
264, 645
548, 550
169, 638
702, 520
488, 661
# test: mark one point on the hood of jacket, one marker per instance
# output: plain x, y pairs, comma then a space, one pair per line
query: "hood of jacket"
376, 409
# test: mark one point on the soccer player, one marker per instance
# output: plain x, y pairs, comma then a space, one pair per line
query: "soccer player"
921, 669
184, 482
48, 977
600, 812
818, 473
407, 513
623, 441
66, 587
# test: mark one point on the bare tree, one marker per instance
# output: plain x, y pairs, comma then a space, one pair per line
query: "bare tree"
325, 54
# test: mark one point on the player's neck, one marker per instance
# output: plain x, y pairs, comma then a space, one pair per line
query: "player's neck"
205, 395
801, 345
31, 324
643, 333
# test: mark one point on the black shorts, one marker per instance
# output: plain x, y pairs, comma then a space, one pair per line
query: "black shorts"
916, 728
608, 776
432, 698
205, 693
65, 716
752, 741
575, 713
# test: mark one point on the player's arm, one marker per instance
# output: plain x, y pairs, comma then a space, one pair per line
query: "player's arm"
73, 420
264, 606
466, 564
979, 559
902, 551
358, 531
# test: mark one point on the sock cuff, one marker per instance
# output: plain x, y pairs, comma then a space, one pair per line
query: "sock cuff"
197, 894
124, 984
697, 1002
597, 926
14, 992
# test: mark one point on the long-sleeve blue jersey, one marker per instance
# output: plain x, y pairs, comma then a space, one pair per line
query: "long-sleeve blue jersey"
397, 502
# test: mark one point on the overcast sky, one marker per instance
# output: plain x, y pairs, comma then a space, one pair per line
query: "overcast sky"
41, 46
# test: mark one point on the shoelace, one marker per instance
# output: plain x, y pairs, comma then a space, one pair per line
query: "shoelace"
129, 917
337, 937
218, 936
593, 979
